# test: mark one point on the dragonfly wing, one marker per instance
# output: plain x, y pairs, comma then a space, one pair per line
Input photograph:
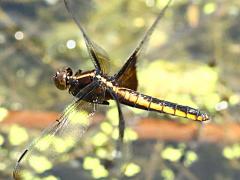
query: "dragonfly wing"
122, 152
60, 137
127, 77
98, 55
102, 57
121, 121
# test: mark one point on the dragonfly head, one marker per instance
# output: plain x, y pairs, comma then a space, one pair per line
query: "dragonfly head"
61, 78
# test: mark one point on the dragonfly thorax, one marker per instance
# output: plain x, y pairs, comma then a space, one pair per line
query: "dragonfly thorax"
61, 78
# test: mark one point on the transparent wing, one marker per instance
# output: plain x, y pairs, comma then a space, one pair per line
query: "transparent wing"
59, 138
98, 55
102, 57
127, 73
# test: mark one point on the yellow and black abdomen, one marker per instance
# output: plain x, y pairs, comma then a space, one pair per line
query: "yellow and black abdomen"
138, 100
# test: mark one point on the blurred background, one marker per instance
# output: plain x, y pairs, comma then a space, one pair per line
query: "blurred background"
193, 58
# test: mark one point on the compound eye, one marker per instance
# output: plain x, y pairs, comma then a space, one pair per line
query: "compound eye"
60, 80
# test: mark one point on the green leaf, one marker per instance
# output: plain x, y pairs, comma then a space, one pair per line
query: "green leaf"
132, 169
17, 135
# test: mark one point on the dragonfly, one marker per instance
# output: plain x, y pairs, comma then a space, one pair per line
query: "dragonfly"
96, 87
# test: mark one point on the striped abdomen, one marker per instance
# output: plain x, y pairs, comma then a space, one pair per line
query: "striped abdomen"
138, 100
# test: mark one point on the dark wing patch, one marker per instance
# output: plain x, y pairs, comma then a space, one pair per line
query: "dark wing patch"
128, 77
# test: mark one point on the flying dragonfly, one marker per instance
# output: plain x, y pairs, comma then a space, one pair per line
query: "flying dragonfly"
96, 87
